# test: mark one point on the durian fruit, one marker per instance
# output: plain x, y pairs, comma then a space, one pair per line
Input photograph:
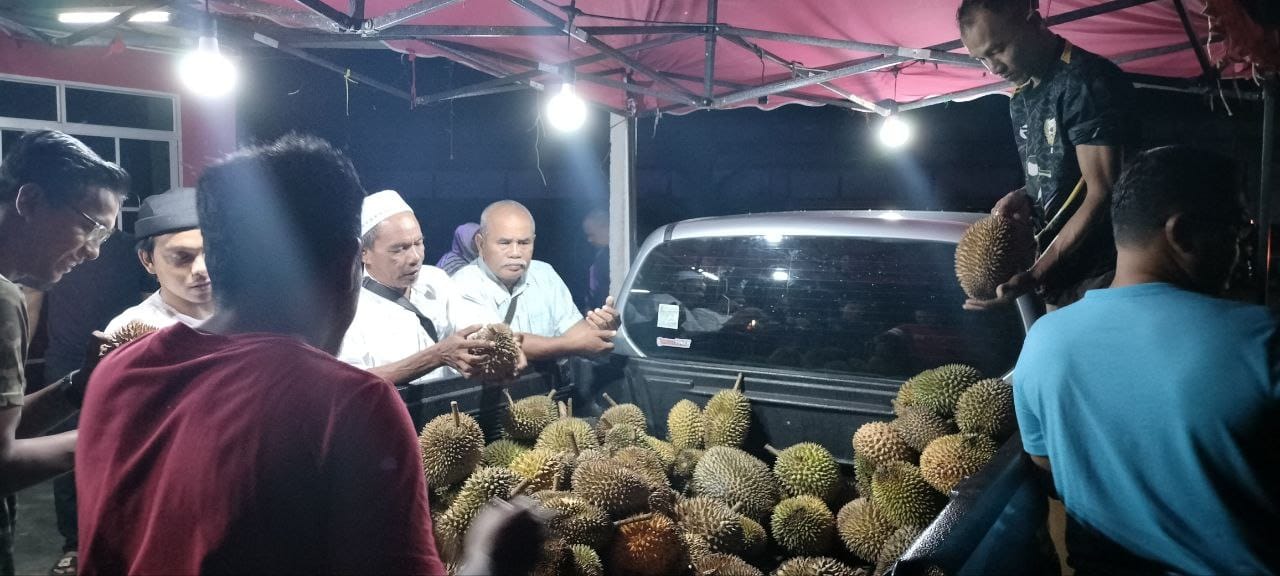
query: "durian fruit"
895, 546
500, 360
620, 414
755, 540
918, 427
611, 487
685, 425
714, 521
806, 468
724, 565
565, 434
733, 476
586, 562
542, 469
949, 459
483, 485
903, 495
132, 331
644, 462
940, 389
501, 452
683, 466
665, 451
992, 251
577, 521
815, 566
439, 499
695, 547
662, 500
906, 395
987, 408
881, 444
727, 417
646, 545
623, 435
863, 528
451, 447
554, 559
863, 469
525, 419
803, 525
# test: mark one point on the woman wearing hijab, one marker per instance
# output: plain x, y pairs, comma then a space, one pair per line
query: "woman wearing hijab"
463, 250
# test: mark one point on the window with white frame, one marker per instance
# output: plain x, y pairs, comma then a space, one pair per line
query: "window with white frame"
138, 129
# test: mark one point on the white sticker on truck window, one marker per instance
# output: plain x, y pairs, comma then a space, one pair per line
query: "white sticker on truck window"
674, 342
669, 316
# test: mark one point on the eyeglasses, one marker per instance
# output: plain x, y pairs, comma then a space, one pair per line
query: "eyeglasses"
99, 233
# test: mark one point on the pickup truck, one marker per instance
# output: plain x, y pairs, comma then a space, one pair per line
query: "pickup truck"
824, 314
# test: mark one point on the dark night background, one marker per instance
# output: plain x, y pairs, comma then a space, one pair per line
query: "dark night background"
451, 159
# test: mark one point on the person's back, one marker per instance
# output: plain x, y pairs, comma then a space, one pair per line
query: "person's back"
251, 453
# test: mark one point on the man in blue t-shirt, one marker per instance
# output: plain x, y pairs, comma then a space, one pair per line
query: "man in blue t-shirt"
1153, 403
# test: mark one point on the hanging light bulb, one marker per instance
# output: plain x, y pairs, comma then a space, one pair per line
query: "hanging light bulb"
894, 132
566, 111
205, 70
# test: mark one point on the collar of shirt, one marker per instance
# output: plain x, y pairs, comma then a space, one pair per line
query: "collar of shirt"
156, 301
525, 282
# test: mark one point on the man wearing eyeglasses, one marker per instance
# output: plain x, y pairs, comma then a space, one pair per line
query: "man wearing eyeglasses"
1073, 117
58, 203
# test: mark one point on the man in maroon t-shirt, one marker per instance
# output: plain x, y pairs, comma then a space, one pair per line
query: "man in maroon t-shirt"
244, 446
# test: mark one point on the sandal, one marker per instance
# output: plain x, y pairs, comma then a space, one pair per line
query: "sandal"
66, 565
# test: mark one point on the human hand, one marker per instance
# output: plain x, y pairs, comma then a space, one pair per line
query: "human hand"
1021, 283
464, 355
506, 538
79, 379
593, 341
605, 317
1015, 206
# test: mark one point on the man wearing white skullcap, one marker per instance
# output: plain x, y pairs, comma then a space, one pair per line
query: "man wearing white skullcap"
410, 324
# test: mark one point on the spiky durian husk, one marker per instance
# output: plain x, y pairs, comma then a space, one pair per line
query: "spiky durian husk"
803, 525
542, 469
863, 469
881, 444
754, 537
685, 425
501, 452
991, 252
452, 445
483, 485
949, 459
726, 419
863, 528
586, 562
894, 546
644, 462
683, 466
904, 496
132, 331
815, 566
500, 360
629, 414
527, 417
987, 408
647, 546
735, 477
919, 426
724, 565
623, 435
906, 395
665, 451
561, 436
613, 488
695, 547
940, 388
577, 521
714, 521
807, 468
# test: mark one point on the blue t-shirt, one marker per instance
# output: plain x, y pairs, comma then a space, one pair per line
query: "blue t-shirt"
1158, 410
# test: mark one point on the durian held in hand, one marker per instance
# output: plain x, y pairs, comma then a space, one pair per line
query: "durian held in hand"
504, 360
993, 250
127, 333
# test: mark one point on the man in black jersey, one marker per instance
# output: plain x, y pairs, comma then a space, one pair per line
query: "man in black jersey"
1072, 116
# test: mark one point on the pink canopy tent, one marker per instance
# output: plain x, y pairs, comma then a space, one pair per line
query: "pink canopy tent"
683, 55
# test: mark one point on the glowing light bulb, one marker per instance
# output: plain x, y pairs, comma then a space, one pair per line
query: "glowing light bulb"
206, 71
566, 112
894, 132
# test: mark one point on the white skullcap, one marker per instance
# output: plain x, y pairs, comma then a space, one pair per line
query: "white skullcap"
380, 206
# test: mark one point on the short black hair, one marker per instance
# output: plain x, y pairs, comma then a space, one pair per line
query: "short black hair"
147, 245
964, 14
1169, 180
61, 165
274, 217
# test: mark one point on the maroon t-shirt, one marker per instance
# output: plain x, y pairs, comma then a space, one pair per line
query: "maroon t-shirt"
254, 453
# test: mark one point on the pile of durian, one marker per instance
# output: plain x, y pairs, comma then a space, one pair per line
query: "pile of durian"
626, 503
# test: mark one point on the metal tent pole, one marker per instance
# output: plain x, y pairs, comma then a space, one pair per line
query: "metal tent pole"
622, 199
1264, 187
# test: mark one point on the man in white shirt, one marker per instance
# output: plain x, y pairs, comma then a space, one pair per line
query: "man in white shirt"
527, 294
171, 248
411, 324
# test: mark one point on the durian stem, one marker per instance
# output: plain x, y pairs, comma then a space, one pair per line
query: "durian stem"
552, 394
564, 412
735, 507
457, 419
771, 450
571, 407
639, 518
573, 443
510, 400
519, 488
737, 385
608, 399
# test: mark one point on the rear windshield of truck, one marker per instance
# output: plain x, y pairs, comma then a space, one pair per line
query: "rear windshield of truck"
867, 306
